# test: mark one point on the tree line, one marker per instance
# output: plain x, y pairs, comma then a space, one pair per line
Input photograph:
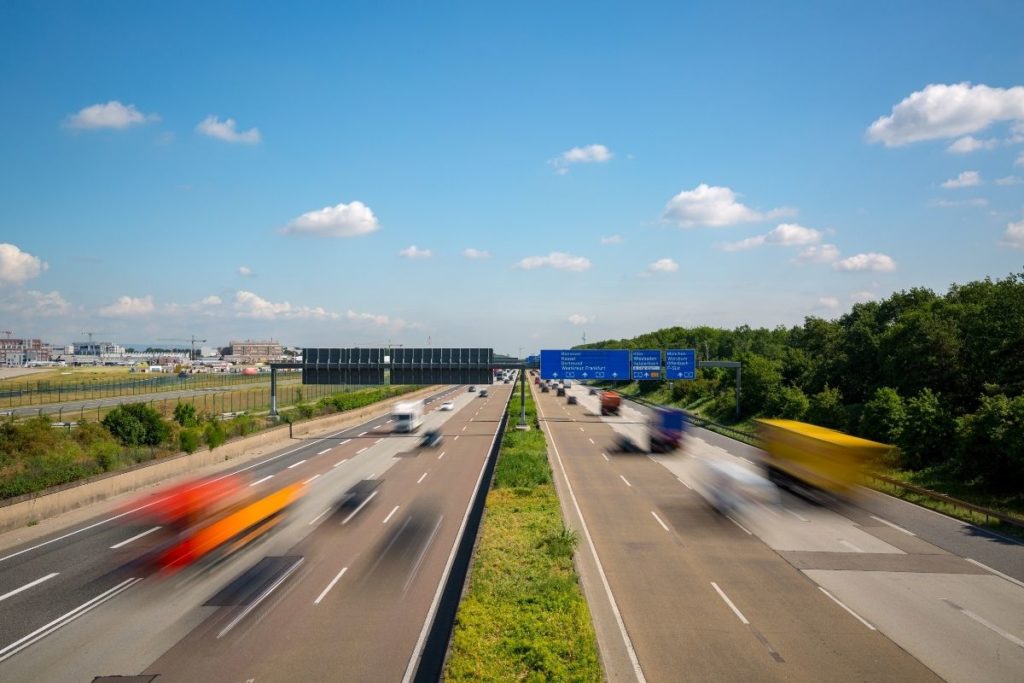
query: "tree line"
938, 375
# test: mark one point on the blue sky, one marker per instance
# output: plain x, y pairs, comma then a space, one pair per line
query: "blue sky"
758, 163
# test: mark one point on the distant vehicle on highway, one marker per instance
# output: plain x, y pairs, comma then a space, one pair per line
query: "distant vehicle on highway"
408, 416
483, 393
561, 391
610, 403
358, 494
471, 388
571, 400
448, 405
544, 388
431, 438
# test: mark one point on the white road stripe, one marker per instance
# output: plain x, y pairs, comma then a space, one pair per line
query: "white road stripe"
894, 526
456, 438
361, 450
29, 585
581, 429
263, 596
663, 525
133, 538
362, 434
260, 481
442, 455
684, 483
361, 506
311, 479
590, 440
378, 440
986, 623
625, 480
344, 442
393, 511
296, 464
422, 477
996, 572
330, 585
852, 613
326, 450
850, 546
733, 607
340, 462
313, 521
605, 456
733, 520
798, 516
463, 429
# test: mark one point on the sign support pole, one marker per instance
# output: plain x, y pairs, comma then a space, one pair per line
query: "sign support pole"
522, 401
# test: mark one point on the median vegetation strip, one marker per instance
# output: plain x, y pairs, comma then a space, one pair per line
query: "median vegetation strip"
523, 616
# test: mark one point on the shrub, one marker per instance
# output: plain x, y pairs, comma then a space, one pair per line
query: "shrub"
826, 409
189, 440
790, 404
990, 443
185, 415
214, 434
926, 432
136, 424
884, 416
762, 382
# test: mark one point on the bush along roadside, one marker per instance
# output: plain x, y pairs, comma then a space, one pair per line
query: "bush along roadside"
35, 456
523, 616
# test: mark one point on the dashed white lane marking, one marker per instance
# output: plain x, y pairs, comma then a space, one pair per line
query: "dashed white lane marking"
361, 450
125, 542
311, 479
378, 440
326, 450
850, 546
344, 442
361, 506
605, 456
340, 462
262, 596
733, 520
590, 440
894, 526
625, 480
581, 429
361, 434
986, 623
313, 521
456, 438
797, 515
422, 477
681, 481
735, 610
32, 584
393, 511
330, 585
260, 481
996, 572
442, 455
296, 464
852, 613
663, 525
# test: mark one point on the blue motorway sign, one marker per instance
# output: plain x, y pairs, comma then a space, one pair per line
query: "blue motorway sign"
680, 364
585, 364
533, 360
646, 363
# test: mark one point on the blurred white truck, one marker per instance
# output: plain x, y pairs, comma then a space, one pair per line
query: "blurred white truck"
408, 416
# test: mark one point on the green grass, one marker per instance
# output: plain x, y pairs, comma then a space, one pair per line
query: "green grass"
523, 617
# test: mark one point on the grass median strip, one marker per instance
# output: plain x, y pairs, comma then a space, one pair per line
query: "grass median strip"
523, 616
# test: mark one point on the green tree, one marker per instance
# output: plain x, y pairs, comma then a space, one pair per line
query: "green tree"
789, 403
185, 415
214, 433
884, 416
926, 437
826, 409
136, 424
762, 383
990, 443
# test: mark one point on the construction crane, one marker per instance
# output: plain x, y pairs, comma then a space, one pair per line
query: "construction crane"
7, 332
191, 340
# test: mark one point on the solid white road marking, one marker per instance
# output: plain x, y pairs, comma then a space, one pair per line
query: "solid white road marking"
684, 483
260, 481
362, 434
341, 462
393, 511
422, 477
326, 450
733, 520
996, 572
581, 429
378, 440
294, 465
463, 429
663, 525
263, 596
894, 526
133, 538
986, 623
850, 546
625, 480
330, 585
852, 613
361, 506
800, 517
30, 585
733, 607
313, 521
66, 618
442, 455
311, 479
456, 438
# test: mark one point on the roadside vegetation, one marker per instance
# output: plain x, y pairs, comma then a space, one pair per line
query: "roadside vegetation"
35, 454
939, 376
523, 617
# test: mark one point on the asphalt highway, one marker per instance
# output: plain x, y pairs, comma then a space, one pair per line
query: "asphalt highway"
329, 595
781, 588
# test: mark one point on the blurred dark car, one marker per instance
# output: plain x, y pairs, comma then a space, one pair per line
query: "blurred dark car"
544, 388
571, 400
561, 391
358, 494
431, 438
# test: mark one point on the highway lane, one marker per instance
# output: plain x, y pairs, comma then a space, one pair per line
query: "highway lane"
699, 597
947, 610
81, 561
132, 617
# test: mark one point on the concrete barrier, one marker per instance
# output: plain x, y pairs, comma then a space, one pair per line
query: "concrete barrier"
24, 510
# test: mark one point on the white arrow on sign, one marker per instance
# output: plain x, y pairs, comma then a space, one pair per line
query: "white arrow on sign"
615, 374
584, 374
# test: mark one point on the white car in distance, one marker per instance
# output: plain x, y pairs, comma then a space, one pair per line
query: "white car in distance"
448, 405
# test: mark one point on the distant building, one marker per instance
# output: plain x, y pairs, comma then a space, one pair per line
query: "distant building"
96, 348
255, 351
16, 352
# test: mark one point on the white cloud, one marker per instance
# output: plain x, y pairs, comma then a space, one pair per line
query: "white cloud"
1020, 160
113, 114
612, 239
957, 203
862, 297
589, 154
205, 306
829, 302
556, 259
865, 262
476, 253
714, 206
17, 266
379, 320
250, 305
783, 235
968, 144
946, 111
128, 307
579, 319
663, 265
414, 252
212, 300
965, 179
342, 220
1009, 180
225, 130
245, 271
1014, 235
35, 304
825, 253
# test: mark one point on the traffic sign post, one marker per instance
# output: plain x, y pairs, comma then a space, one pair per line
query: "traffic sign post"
607, 364
681, 364
646, 364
